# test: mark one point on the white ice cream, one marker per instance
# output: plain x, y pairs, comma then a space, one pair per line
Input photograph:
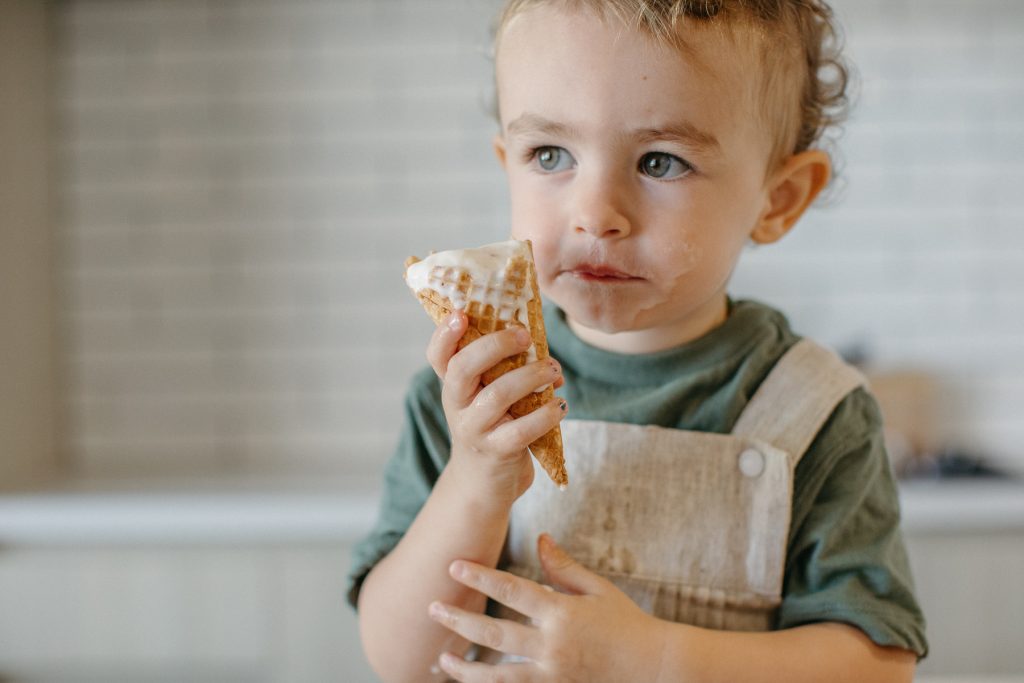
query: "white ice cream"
487, 268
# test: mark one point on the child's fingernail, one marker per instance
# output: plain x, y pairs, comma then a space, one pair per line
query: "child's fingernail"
523, 336
437, 610
454, 321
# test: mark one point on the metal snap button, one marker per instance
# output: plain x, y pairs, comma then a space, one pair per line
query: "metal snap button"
751, 462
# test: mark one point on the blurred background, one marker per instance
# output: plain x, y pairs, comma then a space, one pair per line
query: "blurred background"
205, 336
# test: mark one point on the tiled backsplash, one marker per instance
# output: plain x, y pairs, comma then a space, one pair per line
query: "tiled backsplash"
240, 182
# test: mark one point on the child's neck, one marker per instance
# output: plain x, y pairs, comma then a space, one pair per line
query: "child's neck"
660, 338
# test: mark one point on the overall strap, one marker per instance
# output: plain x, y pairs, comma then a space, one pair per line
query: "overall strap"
797, 398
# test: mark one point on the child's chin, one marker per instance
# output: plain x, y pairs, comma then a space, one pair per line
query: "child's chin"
601, 321
605, 316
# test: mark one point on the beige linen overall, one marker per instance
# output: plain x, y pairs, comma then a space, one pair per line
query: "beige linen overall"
692, 526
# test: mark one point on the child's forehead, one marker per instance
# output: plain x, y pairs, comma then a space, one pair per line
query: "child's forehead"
725, 51
722, 57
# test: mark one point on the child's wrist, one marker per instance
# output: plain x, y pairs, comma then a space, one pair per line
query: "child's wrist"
679, 648
488, 486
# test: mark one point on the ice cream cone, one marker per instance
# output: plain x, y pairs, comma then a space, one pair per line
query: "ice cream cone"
496, 286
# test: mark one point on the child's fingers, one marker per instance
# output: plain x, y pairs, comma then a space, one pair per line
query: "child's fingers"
565, 573
517, 434
501, 635
493, 401
462, 376
444, 342
527, 597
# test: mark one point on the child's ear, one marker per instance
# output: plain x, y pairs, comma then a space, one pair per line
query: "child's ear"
499, 149
792, 188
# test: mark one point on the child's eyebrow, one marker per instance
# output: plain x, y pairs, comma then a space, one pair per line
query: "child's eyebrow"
533, 123
681, 131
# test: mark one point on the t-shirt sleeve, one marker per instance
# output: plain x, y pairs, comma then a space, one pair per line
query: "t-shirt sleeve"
422, 452
846, 560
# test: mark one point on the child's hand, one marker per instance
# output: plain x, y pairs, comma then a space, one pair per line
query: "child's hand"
594, 634
489, 445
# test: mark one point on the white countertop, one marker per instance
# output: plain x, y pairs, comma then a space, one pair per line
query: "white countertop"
340, 511
962, 505
190, 511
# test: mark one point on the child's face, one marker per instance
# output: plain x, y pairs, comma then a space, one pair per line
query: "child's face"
638, 174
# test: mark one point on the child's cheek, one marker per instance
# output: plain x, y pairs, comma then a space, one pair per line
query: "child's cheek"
539, 213
683, 255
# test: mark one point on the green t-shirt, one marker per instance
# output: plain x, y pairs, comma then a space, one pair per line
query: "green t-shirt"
845, 557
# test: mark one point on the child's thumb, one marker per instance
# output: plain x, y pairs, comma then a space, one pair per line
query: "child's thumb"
564, 572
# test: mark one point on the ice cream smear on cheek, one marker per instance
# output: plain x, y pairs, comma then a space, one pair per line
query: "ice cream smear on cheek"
478, 275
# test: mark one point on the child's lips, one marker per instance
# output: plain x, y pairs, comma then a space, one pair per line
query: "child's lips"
602, 273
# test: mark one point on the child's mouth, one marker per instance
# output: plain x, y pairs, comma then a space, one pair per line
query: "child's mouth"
602, 274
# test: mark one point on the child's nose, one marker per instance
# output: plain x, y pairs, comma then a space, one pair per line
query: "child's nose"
601, 209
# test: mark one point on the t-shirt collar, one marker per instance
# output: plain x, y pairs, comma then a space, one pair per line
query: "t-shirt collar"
744, 327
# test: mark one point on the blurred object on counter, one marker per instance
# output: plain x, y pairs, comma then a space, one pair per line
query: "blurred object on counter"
951, 463
909, 400
912, 402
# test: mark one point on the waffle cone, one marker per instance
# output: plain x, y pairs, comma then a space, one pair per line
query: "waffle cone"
483, 319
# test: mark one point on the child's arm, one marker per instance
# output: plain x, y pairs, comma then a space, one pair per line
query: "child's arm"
597, 634
832, 652
466, 515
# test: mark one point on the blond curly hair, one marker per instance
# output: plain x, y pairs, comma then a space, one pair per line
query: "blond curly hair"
805, 77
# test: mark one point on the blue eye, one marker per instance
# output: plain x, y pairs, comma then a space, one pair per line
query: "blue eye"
553, 159
663, 166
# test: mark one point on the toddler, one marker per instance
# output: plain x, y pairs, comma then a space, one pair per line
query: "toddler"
731, 514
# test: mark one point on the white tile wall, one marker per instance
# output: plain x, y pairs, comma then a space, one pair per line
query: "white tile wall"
241, 181
921, 261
